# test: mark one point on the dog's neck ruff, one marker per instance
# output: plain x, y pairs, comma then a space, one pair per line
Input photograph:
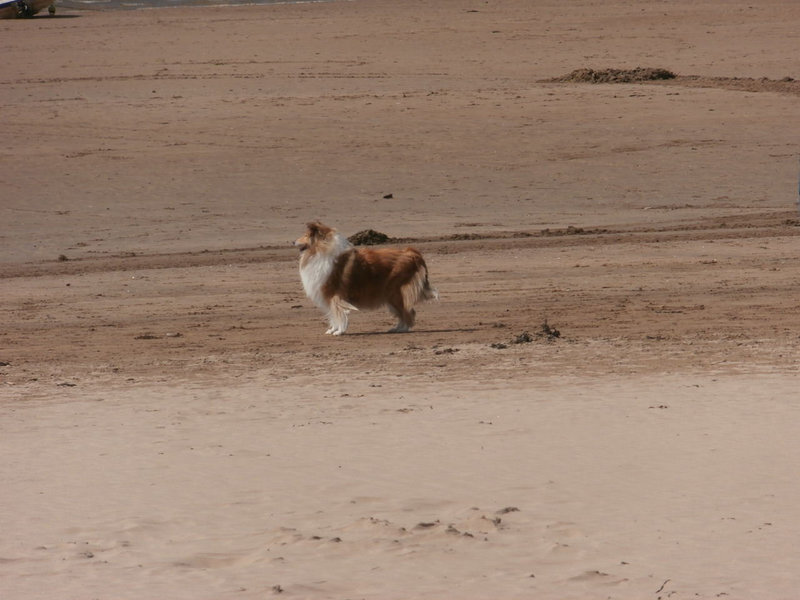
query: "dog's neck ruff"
316, 266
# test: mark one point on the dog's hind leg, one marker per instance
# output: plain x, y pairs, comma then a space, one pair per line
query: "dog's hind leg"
405, 316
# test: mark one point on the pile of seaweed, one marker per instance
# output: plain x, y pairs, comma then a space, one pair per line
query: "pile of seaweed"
368, 237
614, 75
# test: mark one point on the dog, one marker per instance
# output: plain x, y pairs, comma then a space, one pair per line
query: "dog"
340, 278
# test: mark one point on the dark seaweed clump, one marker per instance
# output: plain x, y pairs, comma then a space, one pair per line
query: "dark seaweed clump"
614, 75
368, 237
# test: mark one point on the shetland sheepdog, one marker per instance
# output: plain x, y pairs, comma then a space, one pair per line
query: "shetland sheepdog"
339, 278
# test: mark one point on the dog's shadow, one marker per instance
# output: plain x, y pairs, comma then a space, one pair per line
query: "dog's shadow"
372, 333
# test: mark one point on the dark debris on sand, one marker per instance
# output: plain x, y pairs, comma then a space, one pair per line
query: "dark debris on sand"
614, 75
368, 237
546, 333
785, 85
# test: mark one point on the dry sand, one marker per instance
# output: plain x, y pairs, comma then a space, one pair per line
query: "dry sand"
175, 424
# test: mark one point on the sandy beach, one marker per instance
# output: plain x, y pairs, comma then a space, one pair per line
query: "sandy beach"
603, 403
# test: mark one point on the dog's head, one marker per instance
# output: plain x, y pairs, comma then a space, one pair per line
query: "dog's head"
315, 233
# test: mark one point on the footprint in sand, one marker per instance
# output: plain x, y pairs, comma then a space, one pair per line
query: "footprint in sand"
598, 577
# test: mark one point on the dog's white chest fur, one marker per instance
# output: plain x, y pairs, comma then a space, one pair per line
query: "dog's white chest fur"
315, 270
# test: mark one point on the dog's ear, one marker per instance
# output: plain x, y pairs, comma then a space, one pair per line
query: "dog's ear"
317, 229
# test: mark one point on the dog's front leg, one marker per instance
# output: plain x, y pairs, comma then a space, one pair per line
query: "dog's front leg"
337, 317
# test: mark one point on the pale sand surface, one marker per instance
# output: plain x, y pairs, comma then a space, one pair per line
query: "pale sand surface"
203, 491
175, 424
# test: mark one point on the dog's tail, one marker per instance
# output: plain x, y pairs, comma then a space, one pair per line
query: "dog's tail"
418, 288
429, 292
